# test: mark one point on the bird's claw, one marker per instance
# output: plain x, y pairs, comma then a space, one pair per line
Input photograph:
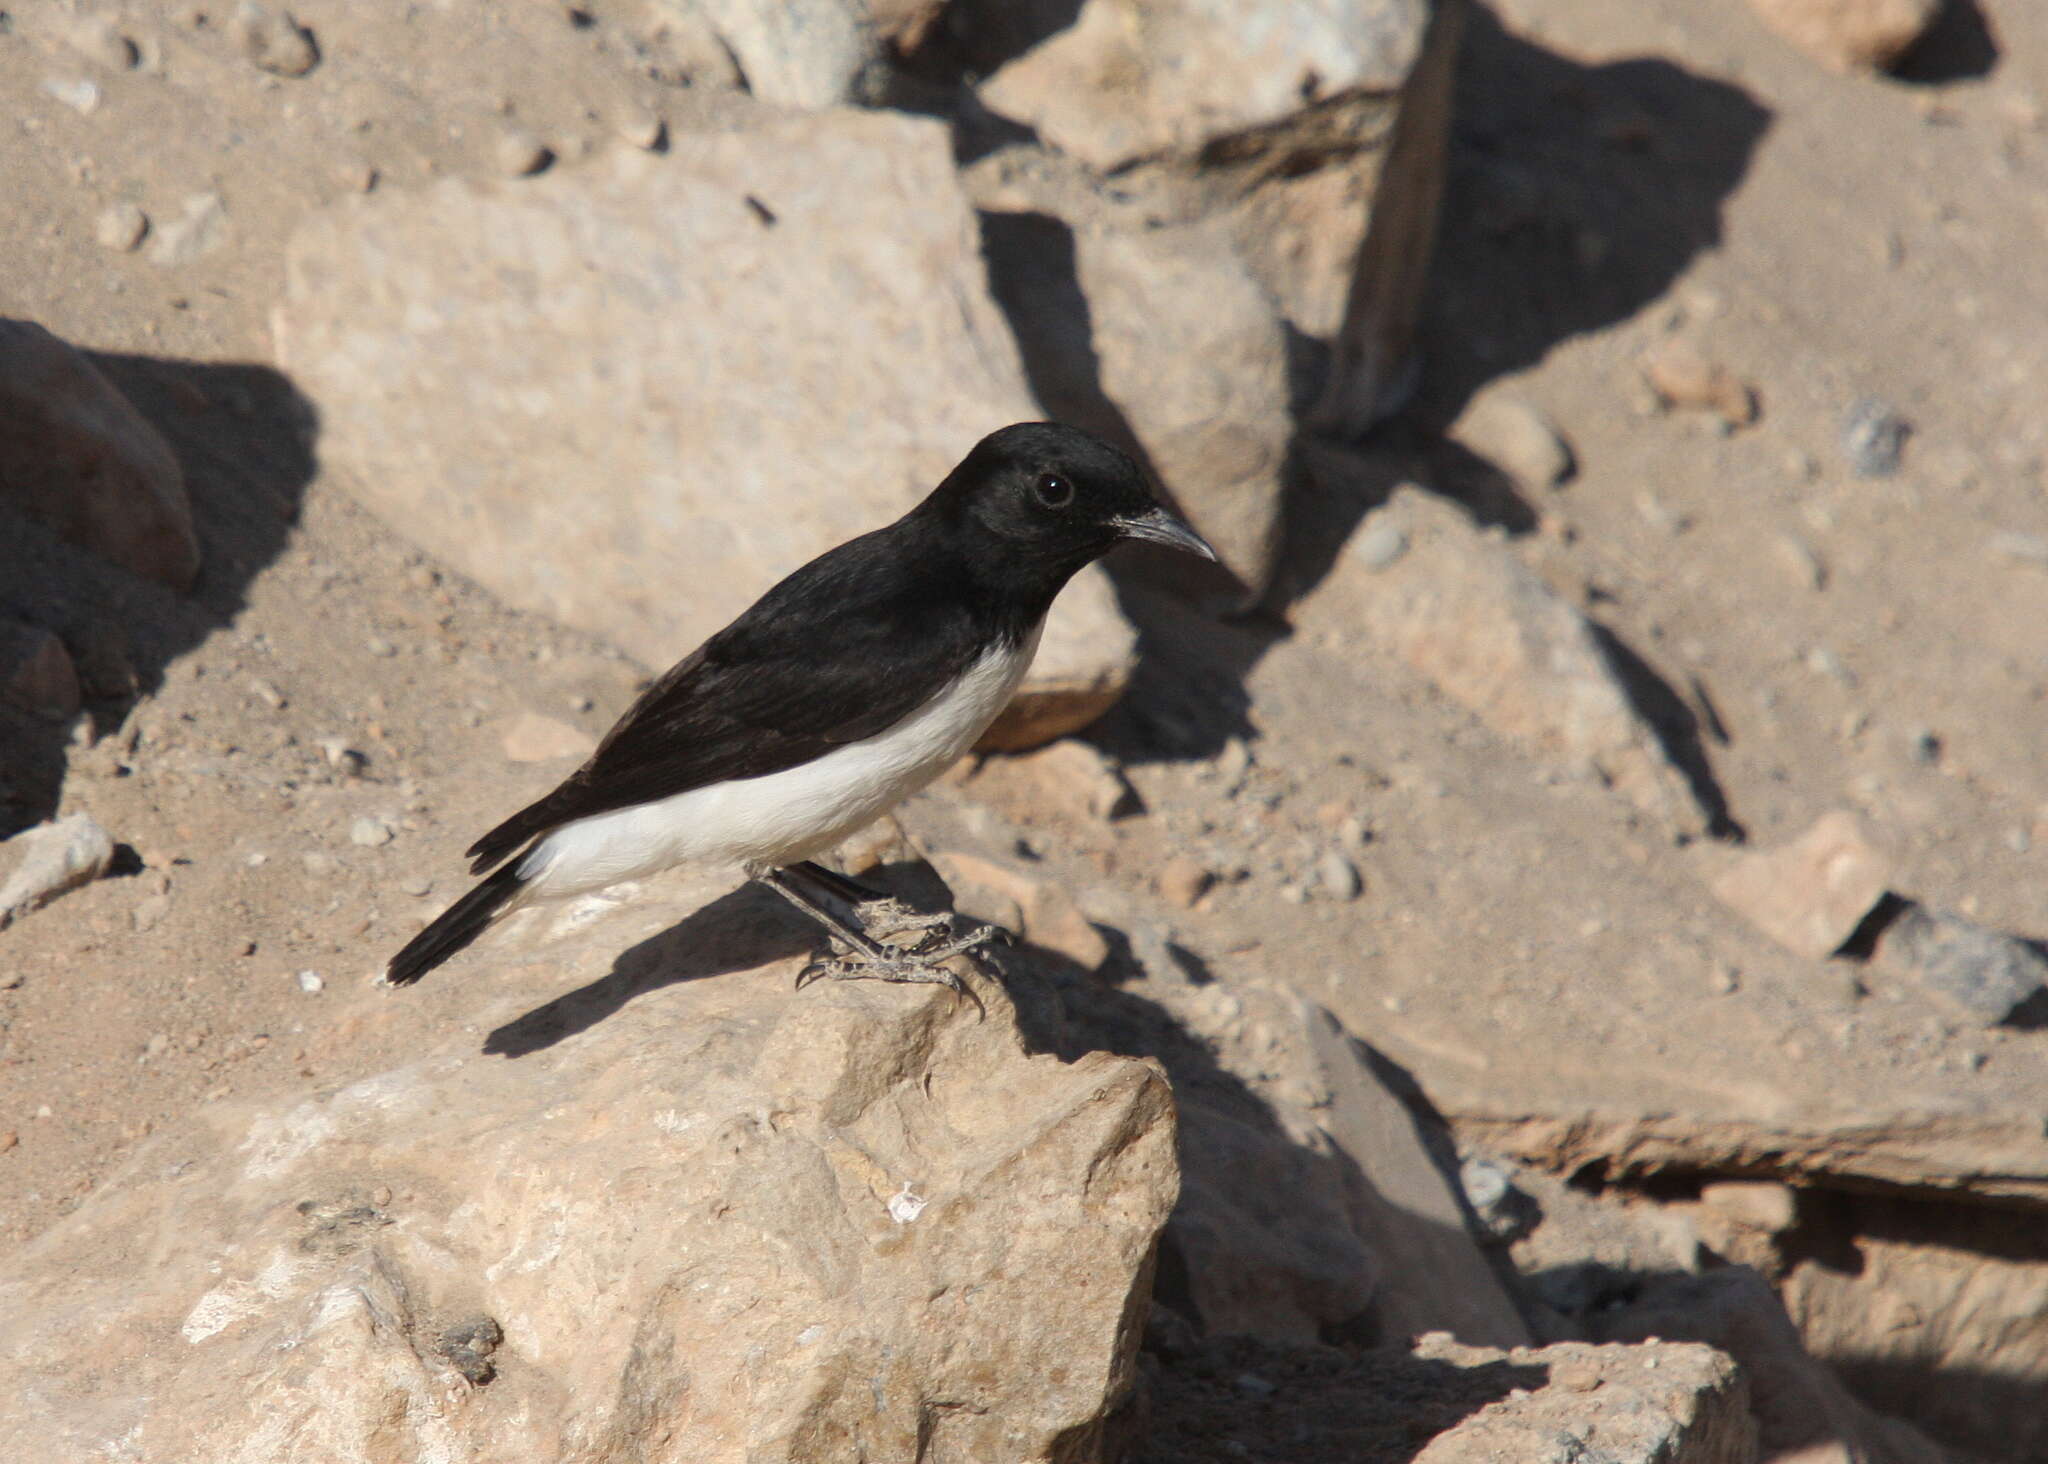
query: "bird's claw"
922, 963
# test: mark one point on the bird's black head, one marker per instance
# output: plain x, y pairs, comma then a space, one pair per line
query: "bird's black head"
1051, 498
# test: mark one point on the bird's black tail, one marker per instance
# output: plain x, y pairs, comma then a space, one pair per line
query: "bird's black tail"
458, 925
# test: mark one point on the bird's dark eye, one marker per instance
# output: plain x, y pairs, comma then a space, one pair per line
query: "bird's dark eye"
1053, 491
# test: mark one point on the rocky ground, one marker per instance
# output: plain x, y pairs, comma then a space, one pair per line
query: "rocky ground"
1719, 509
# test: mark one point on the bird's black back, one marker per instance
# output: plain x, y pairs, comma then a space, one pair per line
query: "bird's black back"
844, 648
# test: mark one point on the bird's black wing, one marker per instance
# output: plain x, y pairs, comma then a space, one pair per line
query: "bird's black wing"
844, 648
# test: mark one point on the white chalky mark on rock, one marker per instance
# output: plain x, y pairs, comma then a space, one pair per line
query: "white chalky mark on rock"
219, 1309
593, 907
905, 1206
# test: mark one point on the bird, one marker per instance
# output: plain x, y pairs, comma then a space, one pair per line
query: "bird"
844, 689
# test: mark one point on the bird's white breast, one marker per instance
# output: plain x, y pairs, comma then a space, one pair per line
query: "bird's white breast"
787, 816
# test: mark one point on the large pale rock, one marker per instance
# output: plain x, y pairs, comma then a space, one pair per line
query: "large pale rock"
687, 1220
1193, 352
1131, 79
1461, 610
634, 395
76, 455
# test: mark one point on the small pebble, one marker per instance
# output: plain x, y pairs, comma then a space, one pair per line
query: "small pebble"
1338, 877
1873, 437
342, 758
1806, 567
159, 1043
8, 1140
377, 646
1923, 746
1485, 1182
1724, 980
1380, 545
1823, 662
200, 228
312, 981
1518, 438
1183, 879
418, 886
121, 227
1575, 1375
520, 154
269, 695
76, 92
1294, 894
1683, 375
1660, 515
97, 38
319, 865
370, 833
643, 130
277, 44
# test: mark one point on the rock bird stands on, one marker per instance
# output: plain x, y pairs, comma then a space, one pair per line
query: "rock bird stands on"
846, 688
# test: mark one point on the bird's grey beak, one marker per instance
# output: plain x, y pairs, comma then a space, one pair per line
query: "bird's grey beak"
1160, 527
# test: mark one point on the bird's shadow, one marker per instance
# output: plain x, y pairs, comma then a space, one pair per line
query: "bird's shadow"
749, 927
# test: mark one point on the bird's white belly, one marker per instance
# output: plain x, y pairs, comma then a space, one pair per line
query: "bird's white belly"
787, 816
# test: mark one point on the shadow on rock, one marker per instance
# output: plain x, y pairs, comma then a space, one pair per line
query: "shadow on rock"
1233, 1398
1318, 1203
1576, 196
736, 932
242, 438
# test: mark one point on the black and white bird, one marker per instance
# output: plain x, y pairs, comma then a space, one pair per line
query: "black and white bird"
847, 687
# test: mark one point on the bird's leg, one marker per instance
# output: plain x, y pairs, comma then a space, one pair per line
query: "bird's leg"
789, 884
880, 913
867, 958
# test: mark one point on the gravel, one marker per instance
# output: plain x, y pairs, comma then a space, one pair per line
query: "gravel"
1873, 438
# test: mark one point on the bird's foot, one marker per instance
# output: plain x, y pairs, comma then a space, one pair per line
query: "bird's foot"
922, 963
